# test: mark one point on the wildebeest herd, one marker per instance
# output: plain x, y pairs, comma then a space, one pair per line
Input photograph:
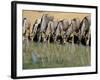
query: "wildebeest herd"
47, 30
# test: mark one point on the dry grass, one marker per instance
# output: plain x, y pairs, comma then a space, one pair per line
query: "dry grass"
55, 55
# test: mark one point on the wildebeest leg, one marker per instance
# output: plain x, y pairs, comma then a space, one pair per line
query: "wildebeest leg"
67, 38
43, 36
79, 37
87, 42
80, 40
55, 38
48, 38
39, 37
31, 37
72, 39
64, 41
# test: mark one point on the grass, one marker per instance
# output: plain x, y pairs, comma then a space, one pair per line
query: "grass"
41, 55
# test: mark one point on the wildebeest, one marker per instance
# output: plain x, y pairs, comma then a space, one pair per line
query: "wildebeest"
36, 29
73, 31
65, 23
47, 29
58, 32
84, 29
40, 26
50, 31
66, 29
26, 29
43, 26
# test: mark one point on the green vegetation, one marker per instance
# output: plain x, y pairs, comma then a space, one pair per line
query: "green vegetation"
55, 55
